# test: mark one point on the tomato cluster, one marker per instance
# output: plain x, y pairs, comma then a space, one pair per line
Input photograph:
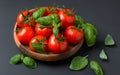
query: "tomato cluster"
48, 29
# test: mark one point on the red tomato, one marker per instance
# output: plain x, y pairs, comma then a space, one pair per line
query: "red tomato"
73, 35
56, 45
67, 17
22, 25
36, 40
21, 16
51, 10
25, 35
43, 31
24, 19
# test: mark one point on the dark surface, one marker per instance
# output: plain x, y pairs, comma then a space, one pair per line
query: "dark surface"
104, 14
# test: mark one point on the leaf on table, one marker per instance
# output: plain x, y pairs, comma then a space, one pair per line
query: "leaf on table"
109, 41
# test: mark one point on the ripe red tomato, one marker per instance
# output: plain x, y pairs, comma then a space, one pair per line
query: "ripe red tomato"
25, 35
37, 39
73, 36
67, 17
22, 25
21, 16
43, 31
51, 10
24, 19
57, 45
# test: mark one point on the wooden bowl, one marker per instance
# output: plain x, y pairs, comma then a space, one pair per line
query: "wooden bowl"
46, 57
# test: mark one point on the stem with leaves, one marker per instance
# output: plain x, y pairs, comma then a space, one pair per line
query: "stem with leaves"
56, 28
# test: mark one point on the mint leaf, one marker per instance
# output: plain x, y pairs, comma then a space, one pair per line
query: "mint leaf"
78, 63
109, 41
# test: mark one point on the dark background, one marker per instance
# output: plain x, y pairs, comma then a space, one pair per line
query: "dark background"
104, 14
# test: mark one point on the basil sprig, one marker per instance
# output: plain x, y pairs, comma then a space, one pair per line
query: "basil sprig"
47, 20
56, 28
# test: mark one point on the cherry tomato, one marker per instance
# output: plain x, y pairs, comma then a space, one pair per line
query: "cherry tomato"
73, 35
31, 22
57, 45
36, 40
21, 16
24, 19
45, 31
51, 10
25, 35
67, 17
22, 25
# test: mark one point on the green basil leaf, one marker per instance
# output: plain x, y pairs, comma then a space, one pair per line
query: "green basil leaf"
38, 48
109, 41
78, 63
90, 33
56, 28
95, 66
29, 62
46, 20
55, 31
103, 55
22, 57
79, 20
15, 59
38, 13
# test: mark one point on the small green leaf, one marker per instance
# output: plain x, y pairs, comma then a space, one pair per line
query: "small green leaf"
78, 63
43, 26
29, 62
103, 55
109, 41
38, 48
47, 20
95, 66
15, 59
79, 20
56, 28
22, 57
38, 13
